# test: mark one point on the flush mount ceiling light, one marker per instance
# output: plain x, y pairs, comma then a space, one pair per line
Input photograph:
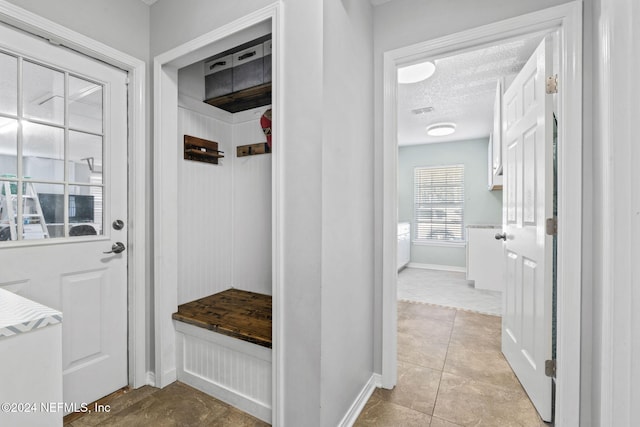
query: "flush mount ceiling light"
441, 129
416, 73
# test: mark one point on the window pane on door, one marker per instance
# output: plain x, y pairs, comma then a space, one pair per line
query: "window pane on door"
85, 210
51, 199
8, 84
8, 146
43, 93
85, 154
43, 152
85, 105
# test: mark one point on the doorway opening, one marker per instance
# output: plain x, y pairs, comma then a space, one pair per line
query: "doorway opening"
216, 213
566, 20
450, 186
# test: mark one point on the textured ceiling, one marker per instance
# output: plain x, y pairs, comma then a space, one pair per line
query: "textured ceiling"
149, 2
462, 90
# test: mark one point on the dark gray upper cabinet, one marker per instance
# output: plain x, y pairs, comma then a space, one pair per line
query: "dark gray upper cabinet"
218, 77
248, 68
240, 78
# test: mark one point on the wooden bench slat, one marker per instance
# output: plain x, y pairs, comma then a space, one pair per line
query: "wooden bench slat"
239, 314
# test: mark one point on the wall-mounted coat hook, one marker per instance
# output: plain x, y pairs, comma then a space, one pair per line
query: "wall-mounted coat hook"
252, 149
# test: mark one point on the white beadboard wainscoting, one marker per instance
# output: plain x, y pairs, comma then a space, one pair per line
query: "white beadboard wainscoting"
234, 371
225, 209
205, 242
251, 207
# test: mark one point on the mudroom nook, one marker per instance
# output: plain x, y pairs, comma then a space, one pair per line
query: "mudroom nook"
224, 229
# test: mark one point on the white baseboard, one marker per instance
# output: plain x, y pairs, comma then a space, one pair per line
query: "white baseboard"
151, 379
168, 377
363, 397
227, 395
437, 267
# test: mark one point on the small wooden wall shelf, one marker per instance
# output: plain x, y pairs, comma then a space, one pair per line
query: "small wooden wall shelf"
201, 150
252, 149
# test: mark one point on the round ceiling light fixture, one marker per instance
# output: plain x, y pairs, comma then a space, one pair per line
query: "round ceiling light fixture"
416, 73
441, 129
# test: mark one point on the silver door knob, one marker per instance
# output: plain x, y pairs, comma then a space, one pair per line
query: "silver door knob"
116, 248
502, 236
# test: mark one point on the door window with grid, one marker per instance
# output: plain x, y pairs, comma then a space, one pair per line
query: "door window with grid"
439, 203
51, 151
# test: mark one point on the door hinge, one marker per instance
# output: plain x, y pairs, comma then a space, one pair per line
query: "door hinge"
552, 84
550, 368
552, 226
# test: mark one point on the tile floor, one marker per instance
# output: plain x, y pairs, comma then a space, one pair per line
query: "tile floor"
448, 289
172, 406
450, 373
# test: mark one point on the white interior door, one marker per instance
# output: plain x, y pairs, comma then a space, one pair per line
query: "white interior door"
63, 183
527, 197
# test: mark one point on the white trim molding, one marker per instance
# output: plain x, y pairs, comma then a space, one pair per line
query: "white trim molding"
137, 244
616, 243
165, 188
438, 267
566, 19
361, 400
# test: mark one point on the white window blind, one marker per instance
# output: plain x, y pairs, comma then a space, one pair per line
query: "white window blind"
439, 203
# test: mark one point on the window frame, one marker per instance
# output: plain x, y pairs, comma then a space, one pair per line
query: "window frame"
416, 239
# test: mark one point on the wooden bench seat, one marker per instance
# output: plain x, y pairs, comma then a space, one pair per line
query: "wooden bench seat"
223, 344
236, 313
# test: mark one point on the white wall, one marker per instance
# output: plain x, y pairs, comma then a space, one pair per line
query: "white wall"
301, 155
347, 203
174, 22
121, 24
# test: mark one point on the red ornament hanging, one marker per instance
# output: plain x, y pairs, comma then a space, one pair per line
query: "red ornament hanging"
265, 122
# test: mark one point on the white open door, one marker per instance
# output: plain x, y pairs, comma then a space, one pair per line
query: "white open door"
527, 198
63, 202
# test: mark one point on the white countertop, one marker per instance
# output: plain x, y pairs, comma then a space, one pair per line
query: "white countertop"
484, 226
19, 315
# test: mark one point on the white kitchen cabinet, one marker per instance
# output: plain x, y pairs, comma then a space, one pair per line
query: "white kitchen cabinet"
485, 257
